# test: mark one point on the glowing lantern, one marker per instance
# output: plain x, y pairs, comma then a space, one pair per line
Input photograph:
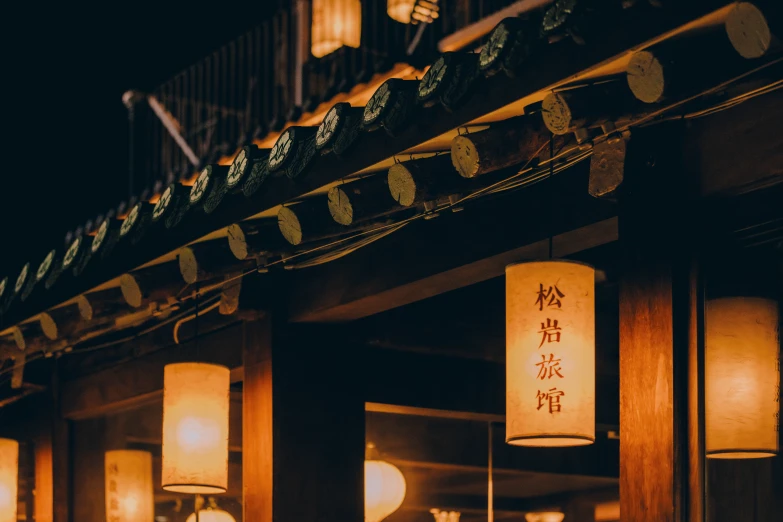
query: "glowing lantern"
195, 428
550, 354
211, 515
742, 377
545, 516
129, 486
9, 475
384, 490
336, 23
400, 10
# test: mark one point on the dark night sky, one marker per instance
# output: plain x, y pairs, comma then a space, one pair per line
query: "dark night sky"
65, 139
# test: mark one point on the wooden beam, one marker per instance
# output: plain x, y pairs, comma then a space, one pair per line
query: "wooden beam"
658, 323
472, 246
287, 455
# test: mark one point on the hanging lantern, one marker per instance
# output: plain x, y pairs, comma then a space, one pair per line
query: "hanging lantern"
400, 10
211, 515
195, 428
129, 486
384, 490
550, 354
545, 516
9, 476
742, 377
336, 23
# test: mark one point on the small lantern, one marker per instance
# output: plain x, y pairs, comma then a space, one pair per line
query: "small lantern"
128, 477
742, 377
384, 490
336, 23
195, 428
9, 476
400, 10
545, 516
211, 515
550, 354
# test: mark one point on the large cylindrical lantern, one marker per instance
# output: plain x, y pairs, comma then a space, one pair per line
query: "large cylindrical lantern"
550, 353
400, 10
742, 377
211, 515
195, 428
336, 23
9, 479
128, 478
384, 490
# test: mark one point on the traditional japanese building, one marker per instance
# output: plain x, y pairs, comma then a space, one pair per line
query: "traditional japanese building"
399, 260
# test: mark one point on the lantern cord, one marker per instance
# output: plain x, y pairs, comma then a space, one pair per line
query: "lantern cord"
551, 188
490, 483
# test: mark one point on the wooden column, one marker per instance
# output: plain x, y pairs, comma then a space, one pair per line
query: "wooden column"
303, 427
661, 446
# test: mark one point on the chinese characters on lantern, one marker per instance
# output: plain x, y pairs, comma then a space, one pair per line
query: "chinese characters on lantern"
549, 298
114, 514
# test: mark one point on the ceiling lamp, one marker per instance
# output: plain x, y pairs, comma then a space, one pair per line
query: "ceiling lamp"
545, 516
336, 23
9, 476
384, 488
742, 377
129, 495
195, 428
550, 353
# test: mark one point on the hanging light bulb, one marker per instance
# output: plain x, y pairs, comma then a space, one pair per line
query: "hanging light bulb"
384, 487
9, 479
550, 353
211, 515
544, 516
195, 428
129, 496
742, 377
336, 23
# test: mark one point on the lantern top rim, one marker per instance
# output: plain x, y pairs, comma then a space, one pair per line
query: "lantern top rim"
554, 260
196, 363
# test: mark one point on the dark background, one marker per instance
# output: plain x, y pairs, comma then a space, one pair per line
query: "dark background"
65, 128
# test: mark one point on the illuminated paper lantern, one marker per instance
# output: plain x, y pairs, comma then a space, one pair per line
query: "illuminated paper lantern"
742, 377
195, 428
9, 477
384, 490
550, 354
128, 478
336, 23
400, 10
545, 516
211, 515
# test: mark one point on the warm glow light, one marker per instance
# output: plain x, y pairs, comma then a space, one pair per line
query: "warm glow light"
400, 10
742, 377
336, 23
128, 478
9, 475
545, 516
550, 354
211, 515
195, 428
384, 490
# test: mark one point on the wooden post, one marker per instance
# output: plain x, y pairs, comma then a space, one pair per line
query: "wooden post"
303, 427
659, 342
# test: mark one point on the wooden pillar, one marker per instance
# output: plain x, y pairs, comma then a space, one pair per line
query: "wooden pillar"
303, 426
661, 445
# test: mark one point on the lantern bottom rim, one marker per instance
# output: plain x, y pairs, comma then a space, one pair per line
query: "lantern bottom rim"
550, 441
193, 488
729, 454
